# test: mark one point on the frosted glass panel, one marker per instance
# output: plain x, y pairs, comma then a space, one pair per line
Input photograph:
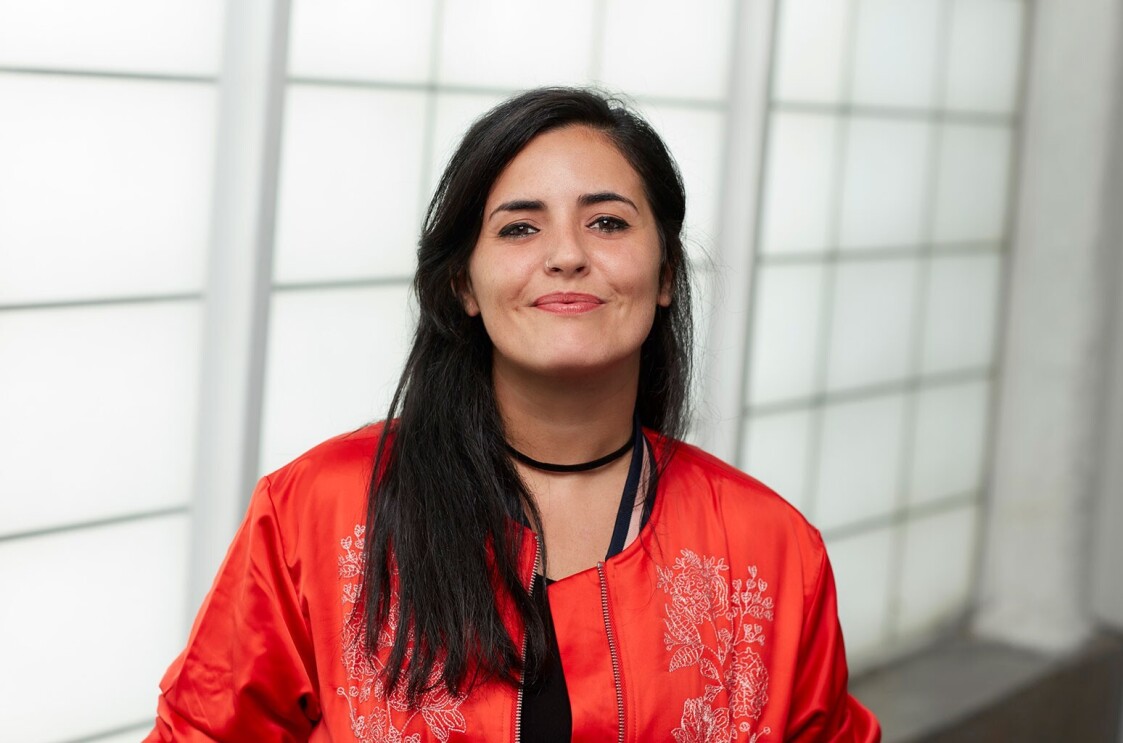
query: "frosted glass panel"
799, 185
695, 139
666, 47
91, 620
707, 294
97, 412
872, 321
983, 54
333, 362
950, 441
962, 312
895, 50
171, 36
936, 570
373, 39
859, 455
454, 114
785, 338
861, 570
775, 450
971, 195
883, 190
350, 192
505, 43
810, 48
105, 187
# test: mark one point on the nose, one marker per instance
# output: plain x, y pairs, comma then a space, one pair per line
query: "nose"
566, 254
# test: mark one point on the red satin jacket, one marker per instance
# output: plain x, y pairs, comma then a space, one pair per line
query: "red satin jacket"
717, 623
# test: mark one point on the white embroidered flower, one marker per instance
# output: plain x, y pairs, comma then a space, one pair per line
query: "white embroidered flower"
710, 625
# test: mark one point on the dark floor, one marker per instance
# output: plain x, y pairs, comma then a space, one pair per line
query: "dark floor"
973, 691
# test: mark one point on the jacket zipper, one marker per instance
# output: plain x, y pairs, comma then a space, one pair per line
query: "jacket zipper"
612, 652
522, 673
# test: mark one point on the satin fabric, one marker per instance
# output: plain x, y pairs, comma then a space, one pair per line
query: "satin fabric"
719, 622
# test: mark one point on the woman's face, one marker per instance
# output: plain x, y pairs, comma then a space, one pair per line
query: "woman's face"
566, 273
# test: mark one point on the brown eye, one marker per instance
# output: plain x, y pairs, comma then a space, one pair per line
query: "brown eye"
518, 229
609, 224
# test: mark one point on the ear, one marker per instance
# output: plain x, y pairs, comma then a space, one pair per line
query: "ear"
666, 289
462, 288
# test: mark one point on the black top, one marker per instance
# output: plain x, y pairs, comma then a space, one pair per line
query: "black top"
546, 713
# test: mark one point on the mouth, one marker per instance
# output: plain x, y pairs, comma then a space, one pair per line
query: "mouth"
568, 303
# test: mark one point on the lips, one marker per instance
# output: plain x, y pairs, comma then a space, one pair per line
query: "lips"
568, 303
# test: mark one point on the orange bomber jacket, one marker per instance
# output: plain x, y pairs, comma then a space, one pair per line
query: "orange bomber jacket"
717, 623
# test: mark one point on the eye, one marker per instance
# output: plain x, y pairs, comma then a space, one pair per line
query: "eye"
609, 224
518, 229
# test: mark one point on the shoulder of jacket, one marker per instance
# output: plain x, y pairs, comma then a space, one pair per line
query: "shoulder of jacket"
338, 465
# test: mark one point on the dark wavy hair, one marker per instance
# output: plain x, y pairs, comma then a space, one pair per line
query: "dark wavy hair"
445, 501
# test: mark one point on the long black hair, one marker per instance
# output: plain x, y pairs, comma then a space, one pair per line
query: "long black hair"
442, 545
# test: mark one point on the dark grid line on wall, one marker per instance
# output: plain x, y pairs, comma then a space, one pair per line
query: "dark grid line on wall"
154, 77
907, 443
908, 385
937, 250
702, 104
88, 524
901, 515
830, 273
104, 301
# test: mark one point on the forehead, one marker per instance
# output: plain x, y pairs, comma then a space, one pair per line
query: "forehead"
568, 161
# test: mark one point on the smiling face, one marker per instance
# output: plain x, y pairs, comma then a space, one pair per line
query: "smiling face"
566, 273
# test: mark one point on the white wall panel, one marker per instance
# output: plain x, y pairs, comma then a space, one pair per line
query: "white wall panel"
775, 448
695, 138
799, 183
171, 36
454, 113
884, 194
983, 54
972, 189
334, 359
787, 321
105, 187
91, 619
666, 48
367, 39
505, 43
939, 552
349, 204
810, 50
862, 566
859, 455
895, 53
872, 322
97, 412
950, 439
962, 313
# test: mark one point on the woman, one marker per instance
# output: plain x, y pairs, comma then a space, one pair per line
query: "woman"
535, 556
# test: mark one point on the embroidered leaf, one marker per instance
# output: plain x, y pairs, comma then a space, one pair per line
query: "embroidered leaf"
685, 656
712, 690
709, 670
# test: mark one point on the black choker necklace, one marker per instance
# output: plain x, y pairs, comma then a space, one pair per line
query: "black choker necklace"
580, 467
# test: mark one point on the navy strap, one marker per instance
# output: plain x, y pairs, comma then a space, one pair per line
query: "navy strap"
628, 497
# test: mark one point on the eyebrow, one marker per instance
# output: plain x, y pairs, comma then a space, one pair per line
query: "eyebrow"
599, 198
534, 205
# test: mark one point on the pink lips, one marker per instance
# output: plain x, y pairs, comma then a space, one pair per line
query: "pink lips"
568, 303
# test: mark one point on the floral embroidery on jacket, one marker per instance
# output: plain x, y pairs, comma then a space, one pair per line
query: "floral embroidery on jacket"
716, 626
376, 717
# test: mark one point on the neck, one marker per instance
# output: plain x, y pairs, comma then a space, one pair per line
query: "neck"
566, 421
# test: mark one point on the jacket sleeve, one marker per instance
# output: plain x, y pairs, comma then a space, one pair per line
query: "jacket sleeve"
246, 673
822, 708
